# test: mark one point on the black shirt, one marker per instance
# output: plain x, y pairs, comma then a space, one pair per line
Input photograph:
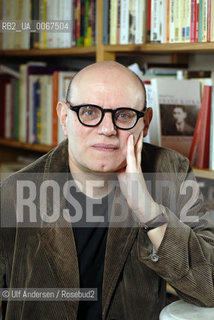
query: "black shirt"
90, 239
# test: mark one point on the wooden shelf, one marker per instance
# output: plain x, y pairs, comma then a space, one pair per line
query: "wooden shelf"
25, 146
162, 47
74, 51
204, 173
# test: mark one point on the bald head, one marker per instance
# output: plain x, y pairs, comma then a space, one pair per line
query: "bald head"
105, 73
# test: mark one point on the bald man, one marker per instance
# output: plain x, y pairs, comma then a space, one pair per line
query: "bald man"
105, 226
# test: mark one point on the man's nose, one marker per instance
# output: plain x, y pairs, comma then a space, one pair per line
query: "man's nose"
107, 126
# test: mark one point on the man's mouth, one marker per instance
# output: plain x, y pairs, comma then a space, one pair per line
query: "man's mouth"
105, 147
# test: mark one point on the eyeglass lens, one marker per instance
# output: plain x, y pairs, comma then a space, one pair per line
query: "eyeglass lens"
91, 115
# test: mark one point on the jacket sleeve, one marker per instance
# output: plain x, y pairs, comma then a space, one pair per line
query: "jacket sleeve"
185, 258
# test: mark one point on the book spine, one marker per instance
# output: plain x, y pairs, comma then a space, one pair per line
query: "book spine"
177, 20
43, 17
188, 20
201, 2
54, 104
167, 21
204, 139
211, 161
82, 23
132, 21
140, 22
106, 21
87, 27
204, 21
155, 21
212, 21
77, 20
208, 20
183, 20
192, 23
16, 110
113, 22
74, 23
23, 103
172, 21
148, 31
12, 106
124, 22
93, 21
118, 22
7, 118
197, 11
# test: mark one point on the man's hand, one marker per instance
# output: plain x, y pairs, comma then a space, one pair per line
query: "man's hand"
135, 191
133, 185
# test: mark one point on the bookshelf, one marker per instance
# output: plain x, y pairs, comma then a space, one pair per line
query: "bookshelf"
100, 52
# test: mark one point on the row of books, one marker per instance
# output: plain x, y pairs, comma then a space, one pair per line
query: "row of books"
182, 21
202, 148
28, 103
47, 23
183, 117
163, 21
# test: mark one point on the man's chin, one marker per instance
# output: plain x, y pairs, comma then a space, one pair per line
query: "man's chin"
106, 168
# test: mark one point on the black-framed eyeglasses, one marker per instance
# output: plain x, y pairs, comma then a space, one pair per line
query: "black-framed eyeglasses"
91, 115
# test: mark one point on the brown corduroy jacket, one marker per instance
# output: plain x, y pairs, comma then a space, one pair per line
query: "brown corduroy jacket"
134, 283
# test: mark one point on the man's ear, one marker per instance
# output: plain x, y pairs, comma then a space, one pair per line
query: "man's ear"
62, 113
147, 119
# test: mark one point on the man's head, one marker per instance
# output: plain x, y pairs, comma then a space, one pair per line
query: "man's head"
102, 148
179, 114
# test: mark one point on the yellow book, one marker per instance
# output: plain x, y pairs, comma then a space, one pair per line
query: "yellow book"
177, 20
183, 20
113, 21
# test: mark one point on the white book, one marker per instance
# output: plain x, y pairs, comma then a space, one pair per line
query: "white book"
155, 20
140, 21
172, 21
26, 16
212, 21
177, 26
188, 20
8, 111
124, 22
204, 21
23, 99
50, 35
163, 21
179, 102
211, 164
9, 13
61, 96
67, 16
154, 132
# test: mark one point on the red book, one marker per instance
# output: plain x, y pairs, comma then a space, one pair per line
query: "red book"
204, 137
4, 79
196, 20
194, 146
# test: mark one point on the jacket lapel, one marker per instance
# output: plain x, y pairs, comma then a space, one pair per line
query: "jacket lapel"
121, 236
57, 239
